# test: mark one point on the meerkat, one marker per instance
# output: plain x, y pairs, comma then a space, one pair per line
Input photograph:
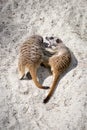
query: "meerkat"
59, 61
31, 56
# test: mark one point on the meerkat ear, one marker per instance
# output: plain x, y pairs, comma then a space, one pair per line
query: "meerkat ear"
58, 40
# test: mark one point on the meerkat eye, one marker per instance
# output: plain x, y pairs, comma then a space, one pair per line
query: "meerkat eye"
51, 38
58, 40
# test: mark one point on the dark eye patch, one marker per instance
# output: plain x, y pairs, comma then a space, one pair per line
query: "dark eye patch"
51, 38
58, 41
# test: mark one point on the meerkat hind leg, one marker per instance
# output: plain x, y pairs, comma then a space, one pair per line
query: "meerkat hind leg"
21, 70
21, 78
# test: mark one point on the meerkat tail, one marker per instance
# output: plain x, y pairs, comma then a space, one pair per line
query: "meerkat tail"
52, 89
33, 74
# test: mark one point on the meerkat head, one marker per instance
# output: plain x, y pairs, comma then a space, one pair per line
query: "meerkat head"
38, 37
53, 41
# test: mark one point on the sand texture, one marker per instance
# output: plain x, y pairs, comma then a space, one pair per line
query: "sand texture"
21, 102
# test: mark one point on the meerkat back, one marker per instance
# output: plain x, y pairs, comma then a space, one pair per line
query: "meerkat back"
30, 57
58, 62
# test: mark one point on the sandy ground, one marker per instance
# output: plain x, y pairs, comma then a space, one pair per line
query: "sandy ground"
21, 106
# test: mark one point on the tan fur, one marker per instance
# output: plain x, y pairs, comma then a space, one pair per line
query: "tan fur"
59, 62
31, 56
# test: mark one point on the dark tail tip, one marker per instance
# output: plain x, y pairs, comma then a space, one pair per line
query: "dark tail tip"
46, 100
45, 87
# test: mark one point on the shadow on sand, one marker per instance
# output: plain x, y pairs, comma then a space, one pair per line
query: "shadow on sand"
43, 72
73, 65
